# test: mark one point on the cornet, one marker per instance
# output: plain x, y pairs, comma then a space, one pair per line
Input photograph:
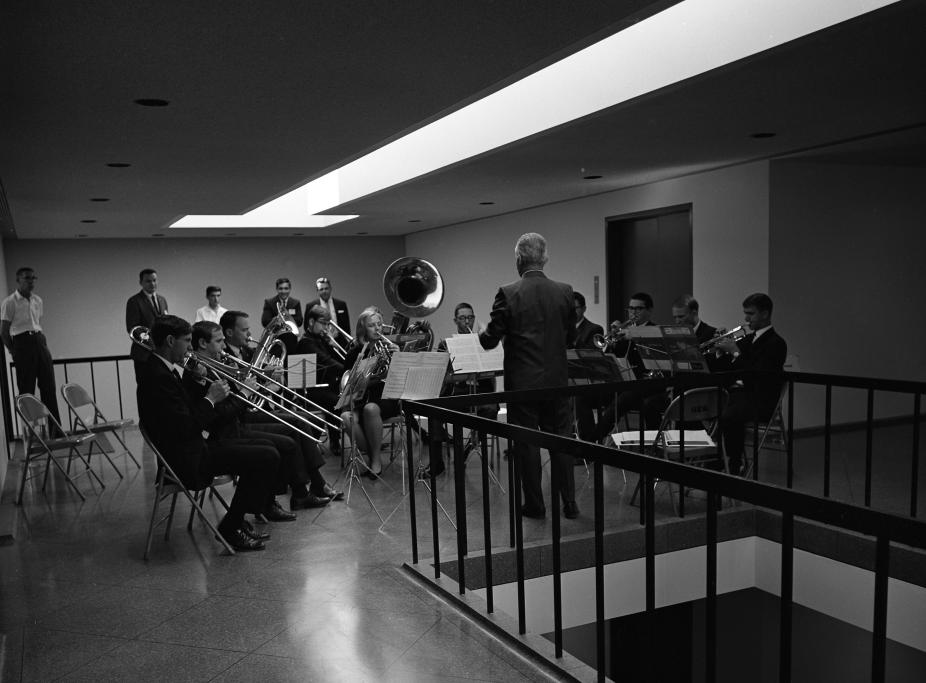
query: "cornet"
616, 334
735, 334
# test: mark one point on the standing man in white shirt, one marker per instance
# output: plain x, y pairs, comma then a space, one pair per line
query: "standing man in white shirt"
21, 329
211, 312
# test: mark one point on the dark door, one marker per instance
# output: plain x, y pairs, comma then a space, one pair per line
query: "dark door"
649, 252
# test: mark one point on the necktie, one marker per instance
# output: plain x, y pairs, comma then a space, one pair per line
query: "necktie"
176, 375
154, 302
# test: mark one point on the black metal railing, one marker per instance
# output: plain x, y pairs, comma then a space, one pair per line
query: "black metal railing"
884, 527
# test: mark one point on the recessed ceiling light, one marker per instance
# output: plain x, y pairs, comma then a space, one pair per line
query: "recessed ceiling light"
298, 234
229, 234
157, 234
81, 234
591, 177
759, 136
415, 220
89, 220
151, 102
486, 203
363, 233
118, 164
99, 199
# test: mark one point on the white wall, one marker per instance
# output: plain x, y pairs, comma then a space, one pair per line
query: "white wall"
85, 283
730, 245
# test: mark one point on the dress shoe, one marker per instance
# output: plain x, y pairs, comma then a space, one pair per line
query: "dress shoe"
332, 494
533, 513
275, 513
240, 541
310, 500
249, 529
570, 510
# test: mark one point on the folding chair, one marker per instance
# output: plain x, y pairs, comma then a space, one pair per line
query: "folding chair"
78, 400
168, 485
704, 405
39, 421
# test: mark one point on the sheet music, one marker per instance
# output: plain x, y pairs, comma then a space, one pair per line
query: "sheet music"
469, 356
300, 370
415, 376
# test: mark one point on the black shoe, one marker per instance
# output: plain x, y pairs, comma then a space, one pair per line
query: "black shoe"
570, 510
240, 541
249, 529
275, 513
533, 513
332, 494
310, 500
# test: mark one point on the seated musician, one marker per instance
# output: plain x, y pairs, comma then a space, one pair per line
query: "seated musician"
237, 330
365, 421
300, 457
464, 318
329, 367
337, 309
640, 309
176, 421
761, 350
685, 311
585, 406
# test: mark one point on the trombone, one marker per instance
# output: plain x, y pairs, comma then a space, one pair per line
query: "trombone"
251, 368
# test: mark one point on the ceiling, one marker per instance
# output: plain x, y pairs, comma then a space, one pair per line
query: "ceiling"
264, 96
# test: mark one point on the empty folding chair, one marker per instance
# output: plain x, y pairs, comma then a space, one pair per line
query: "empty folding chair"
39, 423
87, 417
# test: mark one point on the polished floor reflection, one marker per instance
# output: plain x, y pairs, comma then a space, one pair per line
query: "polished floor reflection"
327, 600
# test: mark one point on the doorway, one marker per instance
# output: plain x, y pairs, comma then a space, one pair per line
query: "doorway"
650, 252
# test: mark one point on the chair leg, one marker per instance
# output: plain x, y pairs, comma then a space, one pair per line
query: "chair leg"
105, 455
170, 516
154, 513
126, 448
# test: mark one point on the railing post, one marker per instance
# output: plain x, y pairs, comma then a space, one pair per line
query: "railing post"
555, 485
915, 467
787, 593
599, 569
879, 629
710, 626
459, 485
869, 429
681, 451
513, 498
487, 525
790, 444
434, 457
650, 639
519, 538
410, 471
827, 428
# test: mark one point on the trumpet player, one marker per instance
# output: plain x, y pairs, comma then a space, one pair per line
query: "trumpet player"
364, 422
328, 367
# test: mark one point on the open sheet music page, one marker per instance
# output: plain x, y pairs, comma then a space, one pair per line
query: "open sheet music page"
469, 356
416, 376
300, 370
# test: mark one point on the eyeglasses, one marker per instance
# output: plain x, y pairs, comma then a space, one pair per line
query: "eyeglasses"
466, 317
636, 308
29, 277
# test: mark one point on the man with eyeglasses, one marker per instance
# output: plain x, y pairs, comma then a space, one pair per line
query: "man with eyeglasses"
21, 329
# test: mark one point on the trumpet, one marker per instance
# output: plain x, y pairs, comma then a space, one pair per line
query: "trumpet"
735, 334
602, 341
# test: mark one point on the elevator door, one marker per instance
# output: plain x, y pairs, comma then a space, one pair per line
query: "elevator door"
649, 252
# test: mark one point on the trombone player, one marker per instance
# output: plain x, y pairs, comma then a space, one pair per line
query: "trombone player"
329, 367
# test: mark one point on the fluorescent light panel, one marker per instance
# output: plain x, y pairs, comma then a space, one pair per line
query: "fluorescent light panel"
685, 40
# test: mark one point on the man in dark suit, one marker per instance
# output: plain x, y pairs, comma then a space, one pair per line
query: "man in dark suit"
761, 350
290, 306
537, 320
585, 328
140, 311
337, 309
176, 423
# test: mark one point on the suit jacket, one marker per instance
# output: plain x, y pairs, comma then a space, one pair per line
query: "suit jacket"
270, 310
226, 423
139, 311
536, 318
175, 421
584, 333
343, 317
765, 354
328, 369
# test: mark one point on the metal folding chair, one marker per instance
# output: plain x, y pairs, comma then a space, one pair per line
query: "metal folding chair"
94, 422
168, 485
39, 422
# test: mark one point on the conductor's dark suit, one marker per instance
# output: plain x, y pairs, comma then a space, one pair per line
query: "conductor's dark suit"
175, 423
536, 318
139, 311
757, 399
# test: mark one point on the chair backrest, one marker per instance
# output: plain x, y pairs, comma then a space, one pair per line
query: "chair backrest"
32, 410
702, 403
78, 400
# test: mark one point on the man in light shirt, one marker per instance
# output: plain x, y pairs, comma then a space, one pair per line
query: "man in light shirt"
21, 329
211, 312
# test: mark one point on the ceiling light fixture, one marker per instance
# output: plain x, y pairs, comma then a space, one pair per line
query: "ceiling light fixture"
81, 234
157, 234
118, 164
486, 203
414, 220
99, 199
689, 38
151, 102
760, 136
591, 177
363, 233
88, 220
